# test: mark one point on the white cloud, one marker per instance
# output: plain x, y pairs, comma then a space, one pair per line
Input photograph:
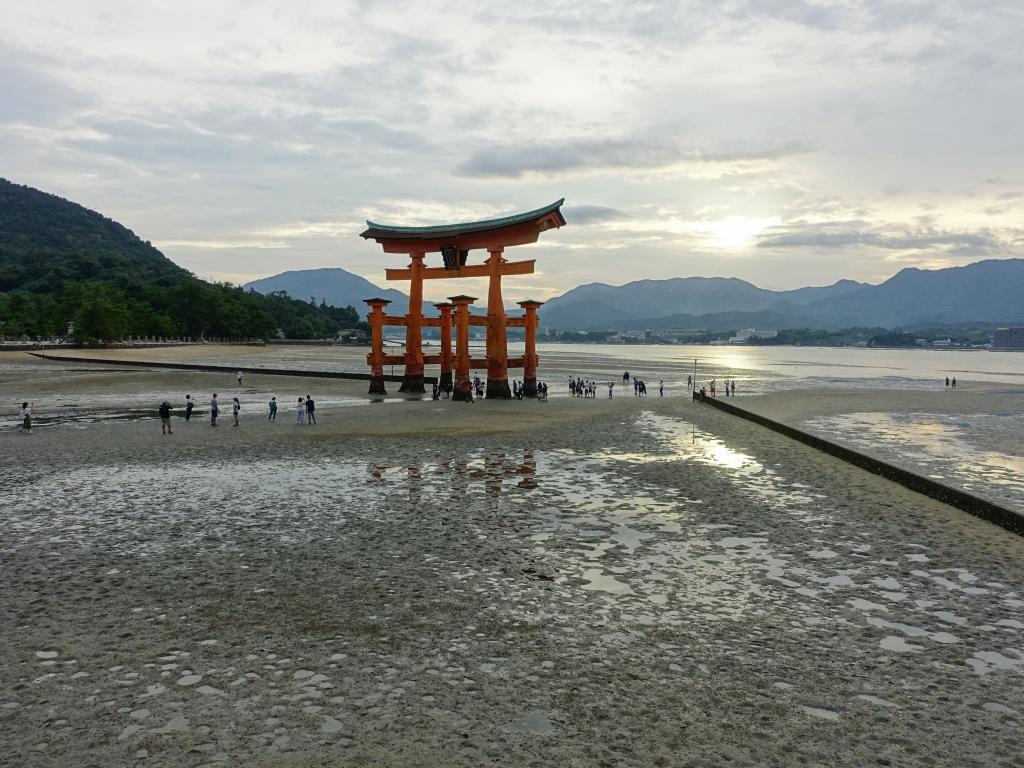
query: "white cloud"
248, 137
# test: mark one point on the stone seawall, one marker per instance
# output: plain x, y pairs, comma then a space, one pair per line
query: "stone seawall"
223, 368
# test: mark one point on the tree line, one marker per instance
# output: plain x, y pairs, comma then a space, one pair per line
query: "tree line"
190, 308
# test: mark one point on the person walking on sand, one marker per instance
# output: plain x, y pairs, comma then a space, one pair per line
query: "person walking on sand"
954, 382
625, 377
26, 418
272, 406
235, 408
310, 411
661, 387
611, 386
239, 378
165, 418
189, 405
300, 412
214, 410
947, 382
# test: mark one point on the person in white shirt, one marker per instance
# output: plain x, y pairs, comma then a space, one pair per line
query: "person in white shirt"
239, 378
26, 416
214, 410
300, 412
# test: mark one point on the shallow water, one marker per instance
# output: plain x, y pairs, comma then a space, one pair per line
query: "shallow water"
949, 449
756, 370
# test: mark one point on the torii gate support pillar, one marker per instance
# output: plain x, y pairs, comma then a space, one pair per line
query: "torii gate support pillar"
530, 358
444, 381
462, 383
376, 356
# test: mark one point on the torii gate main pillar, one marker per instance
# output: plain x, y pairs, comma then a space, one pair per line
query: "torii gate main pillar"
497, 339
412, 382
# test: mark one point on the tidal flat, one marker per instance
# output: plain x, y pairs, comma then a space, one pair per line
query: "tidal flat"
625, 583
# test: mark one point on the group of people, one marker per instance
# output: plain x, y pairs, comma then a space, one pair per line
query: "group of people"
477, 390
951, 383
305, 411
580, 388
639, 385
711, 389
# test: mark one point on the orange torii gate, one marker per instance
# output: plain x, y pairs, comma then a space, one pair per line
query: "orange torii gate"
454, 242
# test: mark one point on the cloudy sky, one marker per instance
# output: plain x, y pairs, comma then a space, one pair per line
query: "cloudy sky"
781, 141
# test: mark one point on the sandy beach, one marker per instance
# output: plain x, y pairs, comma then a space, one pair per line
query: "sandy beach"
631, 582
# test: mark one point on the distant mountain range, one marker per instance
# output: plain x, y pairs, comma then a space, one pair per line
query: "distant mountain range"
337, 287
984, 292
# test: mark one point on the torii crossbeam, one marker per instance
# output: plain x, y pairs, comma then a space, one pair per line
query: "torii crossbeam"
455, 242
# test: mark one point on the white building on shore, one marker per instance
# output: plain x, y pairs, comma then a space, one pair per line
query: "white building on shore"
744, 336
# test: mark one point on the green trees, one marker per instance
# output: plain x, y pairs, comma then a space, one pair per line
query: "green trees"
102, 310
61, 263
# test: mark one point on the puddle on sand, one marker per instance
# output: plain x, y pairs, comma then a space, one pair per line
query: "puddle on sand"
947, 448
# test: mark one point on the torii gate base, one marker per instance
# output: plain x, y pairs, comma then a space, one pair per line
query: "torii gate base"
456, 314
455, 242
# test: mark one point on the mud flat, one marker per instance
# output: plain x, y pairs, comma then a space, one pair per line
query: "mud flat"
580, 583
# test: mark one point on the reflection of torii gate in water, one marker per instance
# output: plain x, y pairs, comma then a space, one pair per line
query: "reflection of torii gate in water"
454, 242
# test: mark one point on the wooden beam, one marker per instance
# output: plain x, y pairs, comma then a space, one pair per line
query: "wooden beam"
474, 270
435, 322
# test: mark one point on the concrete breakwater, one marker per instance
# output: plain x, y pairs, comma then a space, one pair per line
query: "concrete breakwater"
223, 368
974, 505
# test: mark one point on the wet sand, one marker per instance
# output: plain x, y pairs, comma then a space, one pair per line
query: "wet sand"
625, 583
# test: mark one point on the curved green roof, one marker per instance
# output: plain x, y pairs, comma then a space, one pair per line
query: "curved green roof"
386, 231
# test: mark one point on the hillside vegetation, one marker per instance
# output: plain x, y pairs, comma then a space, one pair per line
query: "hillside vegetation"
61, 263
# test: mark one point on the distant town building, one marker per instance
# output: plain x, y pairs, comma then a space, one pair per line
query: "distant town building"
744, 336
627, 337
1008, 338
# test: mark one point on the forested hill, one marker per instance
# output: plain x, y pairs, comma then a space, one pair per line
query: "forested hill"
47, 241
61, 263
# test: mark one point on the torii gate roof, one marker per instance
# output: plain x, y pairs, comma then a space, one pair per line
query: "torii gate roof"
549, 215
